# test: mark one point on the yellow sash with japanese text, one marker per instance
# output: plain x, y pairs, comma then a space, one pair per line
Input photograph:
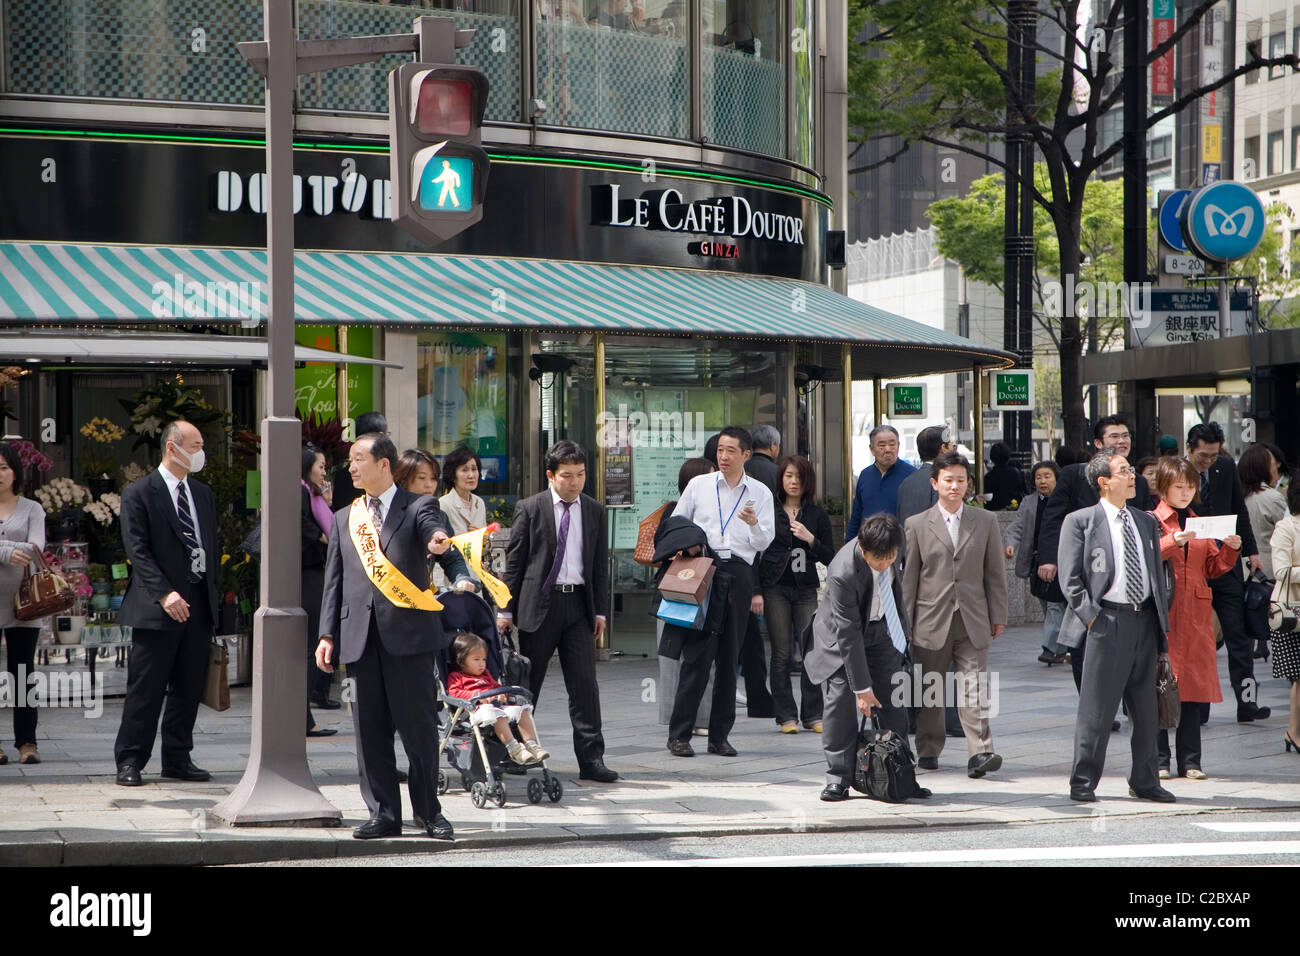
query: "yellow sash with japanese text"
470, 545
391, 582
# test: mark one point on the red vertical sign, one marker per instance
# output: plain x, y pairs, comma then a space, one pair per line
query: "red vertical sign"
1162, 70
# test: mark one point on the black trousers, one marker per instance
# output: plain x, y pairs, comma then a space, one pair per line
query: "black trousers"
170, 664
395, 693
841, 719
1188, 739
318, 682
1121, 664
568, 630
753, 667
20, 652
1229, 603
720, 652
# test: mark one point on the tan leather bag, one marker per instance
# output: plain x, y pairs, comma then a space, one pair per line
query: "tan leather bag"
41, 594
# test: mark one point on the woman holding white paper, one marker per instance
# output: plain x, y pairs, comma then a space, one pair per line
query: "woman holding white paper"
1191, 631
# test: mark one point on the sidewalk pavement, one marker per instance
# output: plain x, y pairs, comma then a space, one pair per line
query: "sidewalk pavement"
69, 811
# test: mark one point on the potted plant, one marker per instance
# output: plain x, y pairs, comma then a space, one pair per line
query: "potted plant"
63, 500
97, 461
101, 585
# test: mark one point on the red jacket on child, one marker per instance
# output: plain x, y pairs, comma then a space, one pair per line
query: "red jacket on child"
464, 686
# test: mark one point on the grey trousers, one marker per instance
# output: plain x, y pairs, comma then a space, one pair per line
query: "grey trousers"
1120, 664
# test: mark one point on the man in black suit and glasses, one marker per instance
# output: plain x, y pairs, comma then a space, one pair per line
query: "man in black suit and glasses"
379, 619
557, 570
169, 530
1221, 494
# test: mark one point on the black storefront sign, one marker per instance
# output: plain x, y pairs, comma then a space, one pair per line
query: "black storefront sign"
78, 189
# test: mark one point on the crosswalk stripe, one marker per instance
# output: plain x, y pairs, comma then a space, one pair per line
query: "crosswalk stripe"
1280, 826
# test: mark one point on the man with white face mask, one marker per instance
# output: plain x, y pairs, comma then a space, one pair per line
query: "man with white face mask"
169, 530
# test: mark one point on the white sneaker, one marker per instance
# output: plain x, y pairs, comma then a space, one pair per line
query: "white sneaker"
518, 752
538, 751
741, 698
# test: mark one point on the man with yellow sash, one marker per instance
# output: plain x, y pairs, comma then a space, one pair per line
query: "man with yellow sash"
379, 617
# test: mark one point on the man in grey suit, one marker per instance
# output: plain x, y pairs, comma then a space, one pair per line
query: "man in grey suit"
1113, 579
859, 646
916, 494
955, 592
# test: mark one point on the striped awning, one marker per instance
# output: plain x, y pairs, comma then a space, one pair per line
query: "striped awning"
100, 284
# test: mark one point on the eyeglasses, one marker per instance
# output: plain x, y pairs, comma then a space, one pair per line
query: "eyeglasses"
1124, 472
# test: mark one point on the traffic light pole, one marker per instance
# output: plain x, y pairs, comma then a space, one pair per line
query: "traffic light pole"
277, 787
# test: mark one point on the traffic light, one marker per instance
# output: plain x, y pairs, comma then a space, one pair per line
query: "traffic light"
437, 168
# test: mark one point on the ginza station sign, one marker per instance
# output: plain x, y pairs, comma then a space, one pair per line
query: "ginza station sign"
667, 210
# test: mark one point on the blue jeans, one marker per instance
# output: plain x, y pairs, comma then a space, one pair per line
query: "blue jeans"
1053, 615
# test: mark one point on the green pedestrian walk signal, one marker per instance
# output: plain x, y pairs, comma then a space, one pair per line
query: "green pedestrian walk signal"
437, 166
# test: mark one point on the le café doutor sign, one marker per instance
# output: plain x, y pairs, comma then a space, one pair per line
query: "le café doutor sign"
667, 210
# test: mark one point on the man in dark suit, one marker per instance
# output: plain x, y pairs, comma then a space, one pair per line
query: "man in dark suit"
1221, 494
767, 451
368, 423
1114, 583
916, 494
557, 570
1074, 491
169, 530
378, 618
859, 646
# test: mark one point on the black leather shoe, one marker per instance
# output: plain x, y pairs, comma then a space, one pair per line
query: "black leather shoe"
1157, 794
188, 772
324, 703
401, 776
680, 748
980, 764
597, 771
1083, 795
1253, 712
722, 749
375, 828
322, 732
835, 792
927, 763
1114, 726
440, 829
128, 775
921, 792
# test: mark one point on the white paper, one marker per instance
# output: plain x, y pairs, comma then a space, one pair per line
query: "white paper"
1217, 526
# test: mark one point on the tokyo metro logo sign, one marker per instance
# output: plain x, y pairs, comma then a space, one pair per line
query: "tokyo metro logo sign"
1223, 221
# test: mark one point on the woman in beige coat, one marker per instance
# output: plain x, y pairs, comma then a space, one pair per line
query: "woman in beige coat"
1285, 546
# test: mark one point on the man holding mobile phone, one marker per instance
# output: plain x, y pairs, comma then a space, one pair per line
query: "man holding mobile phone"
737, 514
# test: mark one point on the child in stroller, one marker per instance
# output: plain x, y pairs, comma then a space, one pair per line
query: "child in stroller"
471, 679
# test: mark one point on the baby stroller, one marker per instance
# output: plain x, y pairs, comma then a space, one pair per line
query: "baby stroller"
479, 757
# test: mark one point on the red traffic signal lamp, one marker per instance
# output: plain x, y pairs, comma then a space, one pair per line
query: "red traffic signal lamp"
438, 169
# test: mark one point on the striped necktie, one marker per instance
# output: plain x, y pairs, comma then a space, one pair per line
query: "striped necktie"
889, 611
189, 531
377, 513
1132, 563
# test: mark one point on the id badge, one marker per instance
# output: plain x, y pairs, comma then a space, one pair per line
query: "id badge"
724, 554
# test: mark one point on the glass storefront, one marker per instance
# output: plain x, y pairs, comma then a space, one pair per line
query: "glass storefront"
743, 75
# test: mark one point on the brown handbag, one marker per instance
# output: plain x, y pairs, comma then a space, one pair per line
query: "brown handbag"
687, 580
41, 594
645, 536
216, 688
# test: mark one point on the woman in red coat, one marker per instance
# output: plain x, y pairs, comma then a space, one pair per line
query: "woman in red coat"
1191, 629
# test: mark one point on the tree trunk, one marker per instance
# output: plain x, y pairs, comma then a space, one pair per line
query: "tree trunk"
1071, 350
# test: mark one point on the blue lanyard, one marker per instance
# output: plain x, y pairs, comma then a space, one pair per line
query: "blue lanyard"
743, 487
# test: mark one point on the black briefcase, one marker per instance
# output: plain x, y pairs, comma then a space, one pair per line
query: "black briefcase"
885, 768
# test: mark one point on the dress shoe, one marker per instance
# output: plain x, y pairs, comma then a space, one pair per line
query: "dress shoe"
375, 827
128, 775
188, 772
1288, 744
324, 703
814, 725
980, 764
322, 732
28, 753
1083, 795
401, 776
440, 829
790, 727
680, 748
1061, 659
1048, 658
1245, 714
927, 763
835, 792
722, 749
1157, 794
921, 792
1114, 726
596, 771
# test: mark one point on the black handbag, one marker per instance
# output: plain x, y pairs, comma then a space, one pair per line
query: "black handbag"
515, 667
885, 768
1045, 590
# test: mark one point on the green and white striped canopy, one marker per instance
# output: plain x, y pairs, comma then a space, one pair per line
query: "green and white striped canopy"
45, 283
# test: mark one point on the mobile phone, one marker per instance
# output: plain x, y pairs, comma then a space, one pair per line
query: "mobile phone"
749, 503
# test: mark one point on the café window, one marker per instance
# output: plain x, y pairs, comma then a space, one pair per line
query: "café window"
461, 396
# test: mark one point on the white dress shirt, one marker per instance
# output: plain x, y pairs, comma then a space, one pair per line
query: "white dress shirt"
1118, 592
385, 502
713, 505
172, 484
953, 522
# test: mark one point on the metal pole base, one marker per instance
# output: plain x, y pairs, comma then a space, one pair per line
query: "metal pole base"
277, 787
